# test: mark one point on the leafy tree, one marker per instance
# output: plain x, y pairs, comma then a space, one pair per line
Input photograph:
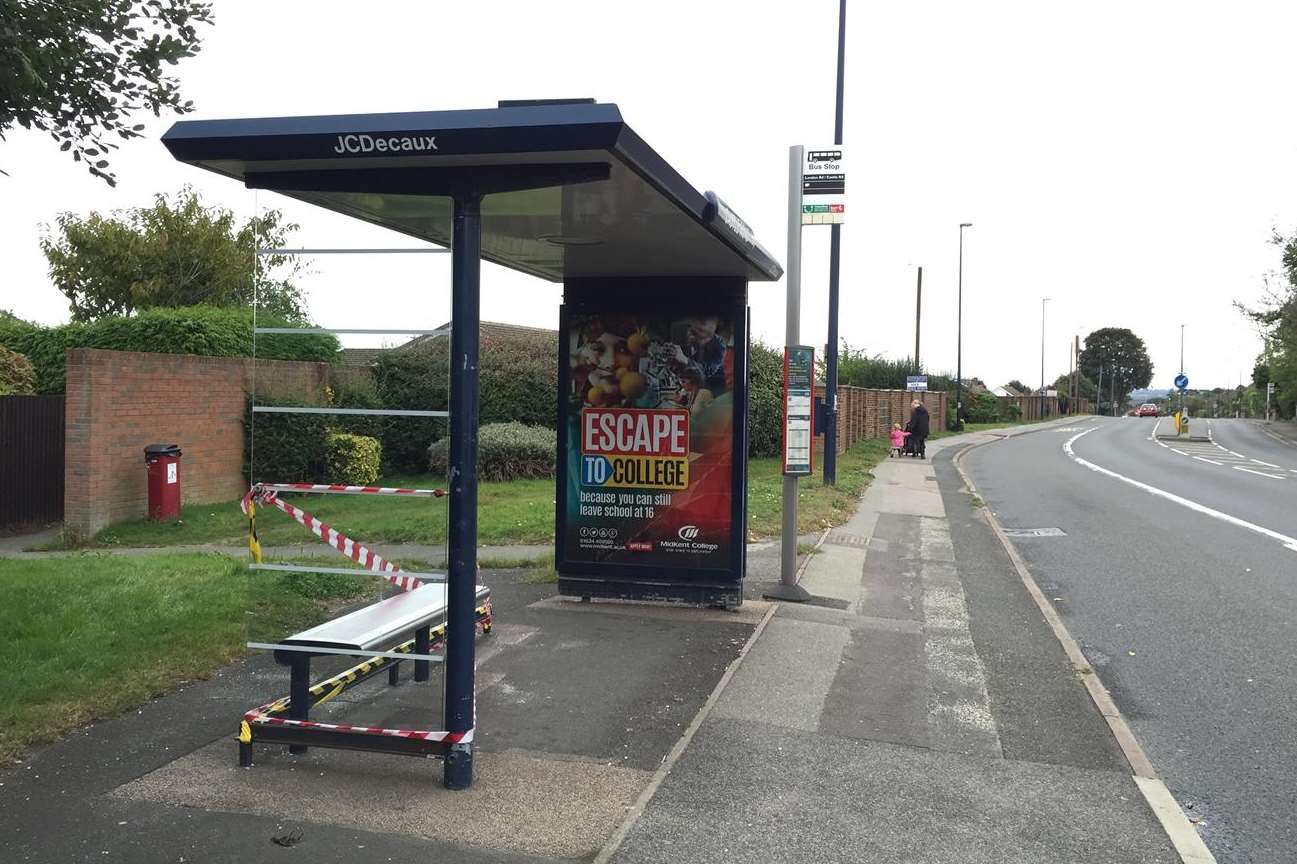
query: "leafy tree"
78, 69
175, 253
1018, 386
1122, 355
1277, 321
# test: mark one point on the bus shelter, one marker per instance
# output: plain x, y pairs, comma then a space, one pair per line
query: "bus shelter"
652, 407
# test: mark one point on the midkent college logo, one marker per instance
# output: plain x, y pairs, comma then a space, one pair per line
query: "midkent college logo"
688, 532
385, 144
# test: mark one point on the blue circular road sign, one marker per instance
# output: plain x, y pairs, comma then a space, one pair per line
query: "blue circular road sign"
1181, 381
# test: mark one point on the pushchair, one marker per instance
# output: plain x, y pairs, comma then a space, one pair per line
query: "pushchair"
909, 448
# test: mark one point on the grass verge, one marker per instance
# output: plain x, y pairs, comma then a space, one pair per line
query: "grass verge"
89, 636
818, 506
519, 512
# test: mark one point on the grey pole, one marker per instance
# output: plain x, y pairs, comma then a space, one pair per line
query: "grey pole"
959, 335
1181, 367
918, 316
788, 589
1043, 301
1098, 391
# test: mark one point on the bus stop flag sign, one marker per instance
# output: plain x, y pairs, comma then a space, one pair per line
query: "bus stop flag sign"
824, 186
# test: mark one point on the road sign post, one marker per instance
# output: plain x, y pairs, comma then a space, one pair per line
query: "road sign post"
1182, 417
788, 589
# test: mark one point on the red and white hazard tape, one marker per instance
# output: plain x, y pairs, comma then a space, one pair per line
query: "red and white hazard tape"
420, 734
352, 490
265, 714
357, 552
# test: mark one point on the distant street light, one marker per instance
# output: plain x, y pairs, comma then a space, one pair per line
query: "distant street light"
1043, 301
959, 336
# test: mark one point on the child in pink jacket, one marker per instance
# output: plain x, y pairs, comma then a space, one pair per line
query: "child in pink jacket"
898, 439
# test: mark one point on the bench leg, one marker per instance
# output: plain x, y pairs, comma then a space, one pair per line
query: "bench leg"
394, 672
245, 755
299, 704
422, 643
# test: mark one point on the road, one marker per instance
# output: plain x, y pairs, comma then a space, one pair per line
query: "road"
1177, 573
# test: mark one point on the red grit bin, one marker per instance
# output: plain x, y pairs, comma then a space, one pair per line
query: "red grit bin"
163, 461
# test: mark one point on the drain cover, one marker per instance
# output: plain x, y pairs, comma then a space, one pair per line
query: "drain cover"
1035, 532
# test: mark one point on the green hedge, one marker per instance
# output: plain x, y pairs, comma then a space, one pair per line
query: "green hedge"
354, 460
17, 377
519, 383
505, 451
290, 448
765, 400
204, 330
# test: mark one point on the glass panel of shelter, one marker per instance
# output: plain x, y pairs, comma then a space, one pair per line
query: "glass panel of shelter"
352, 302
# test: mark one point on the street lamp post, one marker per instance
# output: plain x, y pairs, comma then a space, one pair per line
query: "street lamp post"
1043, 301
959, 335
835, 257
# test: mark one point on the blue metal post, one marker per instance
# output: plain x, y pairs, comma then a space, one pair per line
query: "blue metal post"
461, 581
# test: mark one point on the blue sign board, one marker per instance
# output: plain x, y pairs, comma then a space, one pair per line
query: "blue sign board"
1181, 381
916, 382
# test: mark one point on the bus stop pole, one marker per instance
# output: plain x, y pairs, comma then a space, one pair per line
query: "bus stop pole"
788, 589
461, 572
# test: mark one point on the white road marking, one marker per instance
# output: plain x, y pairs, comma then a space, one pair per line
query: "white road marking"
1289, 543
1258, 473
1266, 464
1181, 452
1219, 447
1239, 455
1160, 444
1205, 459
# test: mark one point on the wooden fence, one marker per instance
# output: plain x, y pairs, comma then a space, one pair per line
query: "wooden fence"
31, 460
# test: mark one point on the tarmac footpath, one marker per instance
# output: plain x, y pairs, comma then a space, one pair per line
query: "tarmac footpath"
920, 709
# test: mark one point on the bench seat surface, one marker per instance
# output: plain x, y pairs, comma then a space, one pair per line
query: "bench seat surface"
382, 623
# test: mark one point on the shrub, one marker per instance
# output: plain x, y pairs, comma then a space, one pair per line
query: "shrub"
519, 383
354, 460
17, 377
984, 408
765, 400
1014, 412
505, 451
203, 330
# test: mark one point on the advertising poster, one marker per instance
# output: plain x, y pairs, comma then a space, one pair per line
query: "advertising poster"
649, 420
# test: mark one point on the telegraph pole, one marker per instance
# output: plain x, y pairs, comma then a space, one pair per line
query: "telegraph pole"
918, 315
835, 257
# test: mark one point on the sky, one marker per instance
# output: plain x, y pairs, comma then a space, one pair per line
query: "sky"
1128, 161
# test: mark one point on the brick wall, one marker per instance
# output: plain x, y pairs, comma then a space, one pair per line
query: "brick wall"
864, 413
119, 401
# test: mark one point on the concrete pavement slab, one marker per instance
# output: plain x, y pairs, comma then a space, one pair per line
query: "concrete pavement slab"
786, 676
519, 802
749, 792
834, 571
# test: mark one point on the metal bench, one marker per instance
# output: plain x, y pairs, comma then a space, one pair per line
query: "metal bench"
384, 626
